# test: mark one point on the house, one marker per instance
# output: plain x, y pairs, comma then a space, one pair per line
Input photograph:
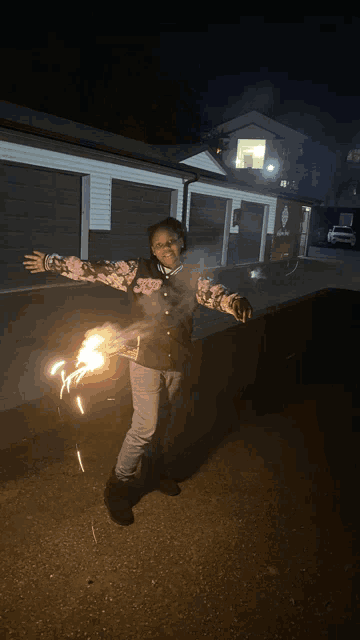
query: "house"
272, 158
76, 190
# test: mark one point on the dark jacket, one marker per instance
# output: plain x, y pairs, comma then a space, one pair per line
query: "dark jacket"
162, 303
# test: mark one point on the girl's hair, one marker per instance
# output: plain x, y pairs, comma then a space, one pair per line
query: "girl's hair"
171, 224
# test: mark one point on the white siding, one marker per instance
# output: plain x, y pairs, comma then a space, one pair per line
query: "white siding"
205, 161
102, 173
100, 202
237, 196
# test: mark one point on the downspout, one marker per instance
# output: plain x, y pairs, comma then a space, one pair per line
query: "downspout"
185, 197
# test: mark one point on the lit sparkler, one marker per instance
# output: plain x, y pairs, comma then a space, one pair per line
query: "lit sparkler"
89, 357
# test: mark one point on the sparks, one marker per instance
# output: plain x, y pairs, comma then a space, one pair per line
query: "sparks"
56, 366
78, 454
92, 526
91, 359
78, 400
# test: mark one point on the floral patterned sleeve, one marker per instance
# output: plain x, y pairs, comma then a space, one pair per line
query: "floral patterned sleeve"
215, 296
118, 275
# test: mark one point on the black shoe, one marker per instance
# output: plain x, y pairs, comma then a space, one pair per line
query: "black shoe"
119, 498
168, 486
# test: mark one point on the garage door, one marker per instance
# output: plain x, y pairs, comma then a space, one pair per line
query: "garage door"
206, 228
244, 246
39, 210
133, 209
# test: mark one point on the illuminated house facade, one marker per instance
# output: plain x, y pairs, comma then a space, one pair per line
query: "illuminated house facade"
270, 157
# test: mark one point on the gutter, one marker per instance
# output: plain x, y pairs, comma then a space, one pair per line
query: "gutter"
185, 197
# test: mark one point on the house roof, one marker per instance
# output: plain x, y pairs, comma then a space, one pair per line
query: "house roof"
175, 156
260, 120
92, 137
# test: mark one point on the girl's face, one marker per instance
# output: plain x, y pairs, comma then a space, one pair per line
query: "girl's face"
166, 246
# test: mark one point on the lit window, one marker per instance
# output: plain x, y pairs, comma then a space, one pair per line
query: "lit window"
250, 154
283, 183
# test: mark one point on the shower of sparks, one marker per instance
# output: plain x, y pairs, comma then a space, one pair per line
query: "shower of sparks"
88, 356
78, 454
91, 358
78, 400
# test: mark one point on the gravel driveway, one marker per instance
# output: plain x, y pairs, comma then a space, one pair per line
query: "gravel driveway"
253, 547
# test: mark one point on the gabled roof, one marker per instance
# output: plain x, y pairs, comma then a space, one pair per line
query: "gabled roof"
198, 155
206, 160
259, 120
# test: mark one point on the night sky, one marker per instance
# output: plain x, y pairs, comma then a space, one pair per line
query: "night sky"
171, 85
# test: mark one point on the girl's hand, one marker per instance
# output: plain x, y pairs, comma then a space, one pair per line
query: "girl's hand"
242, 310
35, 263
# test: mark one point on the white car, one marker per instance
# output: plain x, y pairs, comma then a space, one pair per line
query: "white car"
341, 234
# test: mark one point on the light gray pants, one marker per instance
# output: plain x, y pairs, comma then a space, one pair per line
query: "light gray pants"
154, 395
